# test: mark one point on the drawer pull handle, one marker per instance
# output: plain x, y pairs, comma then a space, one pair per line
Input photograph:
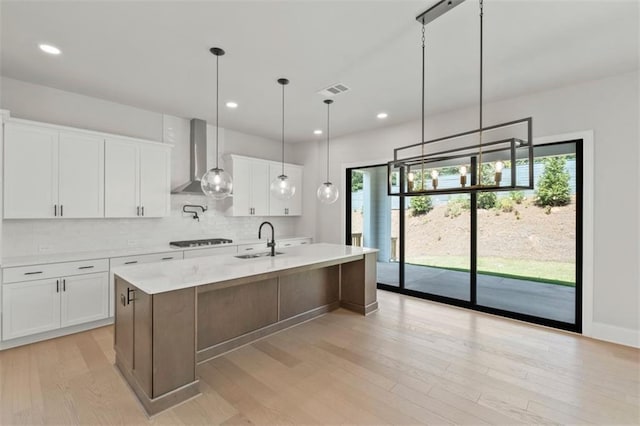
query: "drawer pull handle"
85, 267
131, 262
250, 248
64, 285
167, 258
57, 286
33, 273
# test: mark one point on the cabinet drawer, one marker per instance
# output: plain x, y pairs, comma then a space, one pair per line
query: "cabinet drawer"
146, 258
211, 251
248, 248
293, 242
53, 270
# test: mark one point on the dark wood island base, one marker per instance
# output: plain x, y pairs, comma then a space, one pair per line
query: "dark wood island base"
160, 338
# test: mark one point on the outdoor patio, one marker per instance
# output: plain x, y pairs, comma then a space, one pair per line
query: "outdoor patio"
543, 300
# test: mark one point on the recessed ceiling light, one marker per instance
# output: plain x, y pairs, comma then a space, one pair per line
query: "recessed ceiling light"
317, 132
47, 48
382, 115
232, 104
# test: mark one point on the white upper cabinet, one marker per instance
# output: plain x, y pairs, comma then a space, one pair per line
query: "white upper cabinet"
250, 186
81, 175
292, 206
137, 179
155, 180
52, 174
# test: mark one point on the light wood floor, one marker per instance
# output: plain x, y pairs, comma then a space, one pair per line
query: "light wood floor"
411, 362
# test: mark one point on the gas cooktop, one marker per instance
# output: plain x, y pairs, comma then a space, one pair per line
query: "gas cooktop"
199, 243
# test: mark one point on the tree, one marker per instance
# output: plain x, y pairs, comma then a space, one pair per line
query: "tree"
356, 181
553, 186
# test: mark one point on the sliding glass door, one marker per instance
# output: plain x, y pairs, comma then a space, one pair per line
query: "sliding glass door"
515, 254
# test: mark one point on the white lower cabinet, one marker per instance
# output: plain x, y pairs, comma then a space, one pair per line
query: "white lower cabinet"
84, 298
30, 307
67, 293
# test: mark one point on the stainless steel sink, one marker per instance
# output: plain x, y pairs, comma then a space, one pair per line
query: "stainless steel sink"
254, 255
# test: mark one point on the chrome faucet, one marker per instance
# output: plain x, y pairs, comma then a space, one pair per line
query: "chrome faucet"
272, 244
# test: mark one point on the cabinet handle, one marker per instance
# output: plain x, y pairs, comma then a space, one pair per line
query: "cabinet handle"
167, 258
55, 210
138, 211
129, 298
142, 210
33, 273
64, 285
131, 262
250, 248
57, 286
61, 210
85, 267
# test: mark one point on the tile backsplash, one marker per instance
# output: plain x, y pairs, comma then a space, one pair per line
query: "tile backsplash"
33, 237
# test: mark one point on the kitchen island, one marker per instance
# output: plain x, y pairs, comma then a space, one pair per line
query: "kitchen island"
171, 316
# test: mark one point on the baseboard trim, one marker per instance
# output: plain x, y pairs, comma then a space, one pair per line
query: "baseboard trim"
34, 338
615, 334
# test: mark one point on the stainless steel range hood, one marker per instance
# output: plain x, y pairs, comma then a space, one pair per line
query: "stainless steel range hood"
198, 158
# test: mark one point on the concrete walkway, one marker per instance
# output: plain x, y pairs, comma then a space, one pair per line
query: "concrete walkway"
527, 297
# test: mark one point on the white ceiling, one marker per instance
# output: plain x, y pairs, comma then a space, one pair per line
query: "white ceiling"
154, 55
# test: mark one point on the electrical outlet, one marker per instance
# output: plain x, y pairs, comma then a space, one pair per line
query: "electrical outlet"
44, 249
132, 243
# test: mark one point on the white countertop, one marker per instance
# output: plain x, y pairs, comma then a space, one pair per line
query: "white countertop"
40, 259
156, 278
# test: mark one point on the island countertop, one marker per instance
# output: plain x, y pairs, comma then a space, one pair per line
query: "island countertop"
157, 278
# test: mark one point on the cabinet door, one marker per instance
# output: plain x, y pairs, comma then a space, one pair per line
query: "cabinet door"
81, 175
84, 298
121, 191
294, 205
242, 187
123, 342
260, 183
276, 206
155, 181
30, 171
30, 307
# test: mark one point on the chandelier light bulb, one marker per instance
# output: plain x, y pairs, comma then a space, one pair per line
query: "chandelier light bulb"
463, 176
434, 179
498, 176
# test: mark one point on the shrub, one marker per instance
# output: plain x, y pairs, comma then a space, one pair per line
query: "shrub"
487, 200
517, 196
420, 205
505, 205
456, 206
553, 187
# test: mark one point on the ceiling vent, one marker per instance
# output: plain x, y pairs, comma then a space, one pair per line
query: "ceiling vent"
333, 90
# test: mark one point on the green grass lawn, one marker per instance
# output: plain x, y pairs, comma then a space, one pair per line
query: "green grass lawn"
561, 273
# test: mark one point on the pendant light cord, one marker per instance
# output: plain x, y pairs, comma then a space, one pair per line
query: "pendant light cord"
283, 130
481, 100
423, 102
328, 129
217, 102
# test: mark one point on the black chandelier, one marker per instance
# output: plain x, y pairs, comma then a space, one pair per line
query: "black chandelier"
477, 158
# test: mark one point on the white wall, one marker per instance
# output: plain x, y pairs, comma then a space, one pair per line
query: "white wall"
30, 237
610, 108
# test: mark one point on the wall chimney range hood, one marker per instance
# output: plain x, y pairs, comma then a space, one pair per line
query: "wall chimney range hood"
198, 158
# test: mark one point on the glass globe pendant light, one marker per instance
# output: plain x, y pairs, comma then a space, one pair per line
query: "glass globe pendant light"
327, 192
282, 187
217, 183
